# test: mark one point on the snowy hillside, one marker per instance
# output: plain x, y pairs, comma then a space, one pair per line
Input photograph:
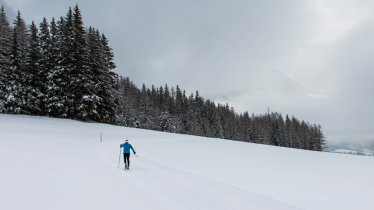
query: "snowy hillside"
353, 148
61, 164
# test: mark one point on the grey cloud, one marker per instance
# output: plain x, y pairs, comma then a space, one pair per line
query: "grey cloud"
9, 12
353, 66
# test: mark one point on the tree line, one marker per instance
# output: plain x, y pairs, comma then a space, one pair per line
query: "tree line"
171, 110
63, 69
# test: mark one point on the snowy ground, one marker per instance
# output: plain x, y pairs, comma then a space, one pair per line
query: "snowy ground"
61, 164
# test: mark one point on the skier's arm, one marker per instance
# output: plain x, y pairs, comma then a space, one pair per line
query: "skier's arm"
132, 149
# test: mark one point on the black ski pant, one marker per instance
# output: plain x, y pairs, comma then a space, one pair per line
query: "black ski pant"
126, 159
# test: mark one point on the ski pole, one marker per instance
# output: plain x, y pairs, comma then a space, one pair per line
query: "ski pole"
119, 157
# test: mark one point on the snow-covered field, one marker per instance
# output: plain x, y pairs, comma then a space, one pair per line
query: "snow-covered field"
61, 164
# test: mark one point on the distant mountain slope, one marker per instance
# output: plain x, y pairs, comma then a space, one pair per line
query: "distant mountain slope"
355, 148
52, 163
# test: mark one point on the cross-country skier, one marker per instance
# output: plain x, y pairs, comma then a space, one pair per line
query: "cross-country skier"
126, 153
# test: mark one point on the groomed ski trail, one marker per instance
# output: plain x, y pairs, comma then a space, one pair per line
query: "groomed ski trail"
174, 188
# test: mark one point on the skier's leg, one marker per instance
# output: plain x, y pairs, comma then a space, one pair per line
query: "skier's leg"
124, 159
128, 160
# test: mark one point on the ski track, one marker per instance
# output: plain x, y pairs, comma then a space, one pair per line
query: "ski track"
182, 190
207, 193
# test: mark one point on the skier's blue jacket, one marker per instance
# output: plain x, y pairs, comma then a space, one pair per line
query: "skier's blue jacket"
126, 148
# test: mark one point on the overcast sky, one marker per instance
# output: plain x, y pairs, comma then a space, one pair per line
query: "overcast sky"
312, 59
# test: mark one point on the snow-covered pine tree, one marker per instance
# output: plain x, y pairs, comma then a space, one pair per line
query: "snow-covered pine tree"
244, 121
105, 81
320, 139
295, 133
178, 101
227, 121
282, 132
166, 97
33, 77
16, 97
109, 106
66, 68
95, 62
178, 107
160, 99
184, 113
191, 116
304, 135
22, 37
154, 108
171, 101
84, 100
165, 122
198, 110
123, 112
5, 57
216, 122
288, 130
45, 63
57, 100
275, 133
